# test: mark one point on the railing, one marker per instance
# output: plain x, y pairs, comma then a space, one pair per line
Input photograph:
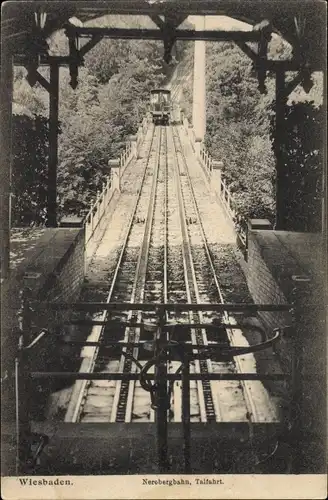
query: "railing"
206, 162
99, 206
127, 155
218, 184
226, 198
97, 209
25, 457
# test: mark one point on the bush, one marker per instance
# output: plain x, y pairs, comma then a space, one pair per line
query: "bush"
29, 170
302, 145
241, 128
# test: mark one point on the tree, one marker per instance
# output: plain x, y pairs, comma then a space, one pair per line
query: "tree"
96, 118
29, 170
239, 125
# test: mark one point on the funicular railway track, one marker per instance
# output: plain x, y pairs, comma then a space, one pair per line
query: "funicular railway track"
224, 400
87, 400
164, 258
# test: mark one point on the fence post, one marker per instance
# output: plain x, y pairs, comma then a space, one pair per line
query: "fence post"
216, 176
186, 125
133, 146
198, 144
106, 192
229, 199
98, 200
22, 384
144, 125
115, 174
87, 227
91, 219
139, 137
191, 135
103, 199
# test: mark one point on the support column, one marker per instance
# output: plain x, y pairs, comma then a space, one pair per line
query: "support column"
5, 157
163, 397
53, 144
199, 90
197, 146
133, 141
281, 101
115, 174
216, 176
308, 416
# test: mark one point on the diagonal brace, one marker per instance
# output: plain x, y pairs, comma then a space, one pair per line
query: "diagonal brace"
89, 45
293, 84
248, 51
42, 81
158, 21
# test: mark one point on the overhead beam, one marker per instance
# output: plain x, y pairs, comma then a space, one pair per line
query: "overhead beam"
156, 34
270, 65
90, 44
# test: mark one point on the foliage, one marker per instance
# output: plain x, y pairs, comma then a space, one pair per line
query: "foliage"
29, 173
34, 100
240, 135
302, 158
239, 131
112, 98
97, 117
96, 120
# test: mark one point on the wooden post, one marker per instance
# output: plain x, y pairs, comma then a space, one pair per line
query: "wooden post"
300, 299
22, 384
53, 144
186, 415
216, 176
281, 100
5, 148
115, 172
162, 407
309, 384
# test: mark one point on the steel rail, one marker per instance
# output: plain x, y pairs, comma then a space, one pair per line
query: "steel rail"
205, 397
251, 406
149, 376
161, 367
173, 307
123, 399
165, 273
88, 364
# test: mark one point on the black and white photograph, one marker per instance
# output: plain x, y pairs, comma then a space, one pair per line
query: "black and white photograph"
163, 249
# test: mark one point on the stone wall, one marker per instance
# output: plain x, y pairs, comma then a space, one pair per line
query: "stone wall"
49, 264
65, 282
287, 267
262, 285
